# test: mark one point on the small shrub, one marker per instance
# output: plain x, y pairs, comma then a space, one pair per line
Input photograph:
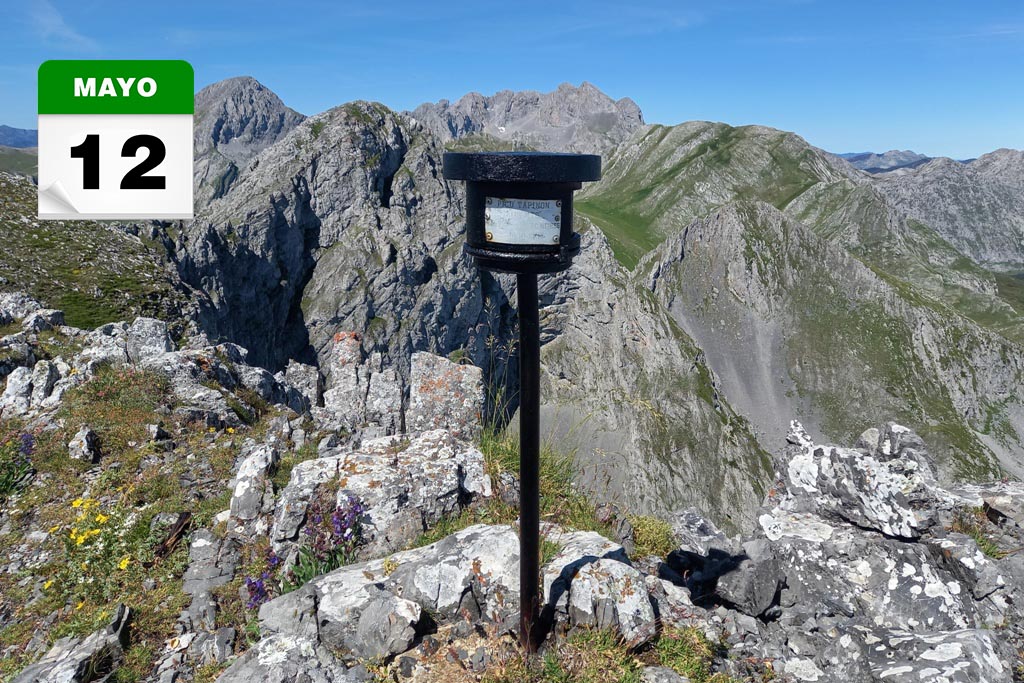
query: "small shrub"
972, 523
689, 653
652, 536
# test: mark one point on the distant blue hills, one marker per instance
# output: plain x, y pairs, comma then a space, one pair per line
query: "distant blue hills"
18, 137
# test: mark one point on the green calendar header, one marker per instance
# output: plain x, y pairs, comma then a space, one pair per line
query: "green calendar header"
116, 86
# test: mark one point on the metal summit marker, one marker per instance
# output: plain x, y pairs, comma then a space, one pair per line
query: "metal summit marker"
519, 220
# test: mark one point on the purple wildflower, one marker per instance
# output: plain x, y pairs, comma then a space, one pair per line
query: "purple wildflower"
27, 446
257, 591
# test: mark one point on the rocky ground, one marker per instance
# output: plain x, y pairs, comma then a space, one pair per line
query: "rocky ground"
172, 513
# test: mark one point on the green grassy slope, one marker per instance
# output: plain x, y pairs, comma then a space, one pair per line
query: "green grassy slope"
95, 273
20, 161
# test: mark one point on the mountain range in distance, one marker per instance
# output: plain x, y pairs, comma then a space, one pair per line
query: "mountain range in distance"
462, 121
732, 279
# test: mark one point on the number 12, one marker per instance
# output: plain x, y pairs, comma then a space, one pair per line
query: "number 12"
135, 179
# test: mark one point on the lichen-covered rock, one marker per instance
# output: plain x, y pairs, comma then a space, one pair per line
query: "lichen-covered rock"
372, 609
44, 376
577, 549
964, 656
288, 659
42, 320
253, 493
609, 594
405, 485
17, 305
305, 378
82, 660
17, 396
445, 395
147, 337
661, 674
848, 484
85, 445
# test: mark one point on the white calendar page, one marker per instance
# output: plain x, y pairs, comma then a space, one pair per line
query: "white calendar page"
115, 139
62, 189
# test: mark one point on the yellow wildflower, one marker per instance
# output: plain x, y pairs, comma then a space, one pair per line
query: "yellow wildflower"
85, 565
212, 430
77, 503
101, 518
123, 564
81, 539
53, 529
72, 534
46, 586
231, 430
94, 532
74, 371
80, 605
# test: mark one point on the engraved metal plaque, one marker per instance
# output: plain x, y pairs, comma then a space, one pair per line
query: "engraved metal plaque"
523, 221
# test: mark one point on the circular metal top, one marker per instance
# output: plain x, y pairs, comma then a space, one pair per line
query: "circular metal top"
522, 167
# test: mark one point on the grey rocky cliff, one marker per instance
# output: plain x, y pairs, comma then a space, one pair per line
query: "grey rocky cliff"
978, 206
568, 119
344, 225
235, 119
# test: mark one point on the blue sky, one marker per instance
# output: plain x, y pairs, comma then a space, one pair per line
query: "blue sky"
942, 78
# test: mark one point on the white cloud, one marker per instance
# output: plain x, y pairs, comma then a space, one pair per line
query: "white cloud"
51, 26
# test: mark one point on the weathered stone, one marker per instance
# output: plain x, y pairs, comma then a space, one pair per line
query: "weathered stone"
403, 485
147, 337
254, 494
384, 401
364, 611
856, 487
445, 395
661, 674
85, 445
289, 659
17, 396
42, 320
752, 586
44, 376
695, 533
963, 656
608, 594
17, 305
306, 379
81, 660
577, 550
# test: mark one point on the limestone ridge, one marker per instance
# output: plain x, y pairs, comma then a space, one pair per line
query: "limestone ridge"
978, 206
568, 119
235, 119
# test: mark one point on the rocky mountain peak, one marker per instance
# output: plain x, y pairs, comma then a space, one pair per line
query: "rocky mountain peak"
235, 119
569, 119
